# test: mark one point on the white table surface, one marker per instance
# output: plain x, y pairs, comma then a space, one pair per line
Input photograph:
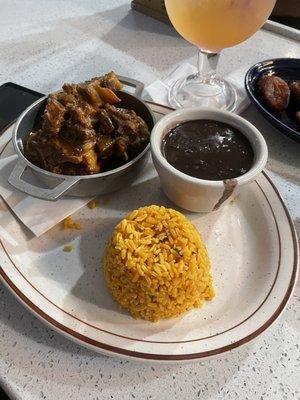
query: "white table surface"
44, 43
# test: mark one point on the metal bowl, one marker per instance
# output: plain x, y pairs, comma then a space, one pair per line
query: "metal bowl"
52, 186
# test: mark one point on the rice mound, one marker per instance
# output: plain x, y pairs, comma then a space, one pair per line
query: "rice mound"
156, 265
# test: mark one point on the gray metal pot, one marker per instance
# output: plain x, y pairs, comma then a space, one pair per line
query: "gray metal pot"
53, 186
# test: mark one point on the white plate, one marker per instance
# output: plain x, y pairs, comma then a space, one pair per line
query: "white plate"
251, 242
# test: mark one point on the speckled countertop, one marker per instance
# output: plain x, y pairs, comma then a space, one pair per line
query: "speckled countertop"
45, 43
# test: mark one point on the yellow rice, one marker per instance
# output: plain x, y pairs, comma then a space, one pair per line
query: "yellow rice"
156, 265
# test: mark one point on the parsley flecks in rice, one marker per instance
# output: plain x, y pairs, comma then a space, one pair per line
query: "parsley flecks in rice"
156, 265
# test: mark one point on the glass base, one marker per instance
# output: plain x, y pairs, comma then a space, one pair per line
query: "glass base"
195, 92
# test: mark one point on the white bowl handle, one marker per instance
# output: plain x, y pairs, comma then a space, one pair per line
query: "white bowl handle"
15, 180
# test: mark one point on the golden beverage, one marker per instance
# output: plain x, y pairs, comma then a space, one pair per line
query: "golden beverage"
216, 24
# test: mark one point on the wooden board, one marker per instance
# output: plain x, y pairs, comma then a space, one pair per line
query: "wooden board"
153, 8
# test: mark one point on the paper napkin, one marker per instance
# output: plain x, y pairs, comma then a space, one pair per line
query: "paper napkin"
158, 90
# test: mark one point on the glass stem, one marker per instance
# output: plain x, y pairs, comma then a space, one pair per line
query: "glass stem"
207, 65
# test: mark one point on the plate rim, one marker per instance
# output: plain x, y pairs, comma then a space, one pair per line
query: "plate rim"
113, 350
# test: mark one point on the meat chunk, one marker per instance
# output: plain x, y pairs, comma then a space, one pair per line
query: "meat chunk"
89, 94
121, 147
49, 151
92, 93
81, 137
275, 92
109, 81
56, 151
67, 100
77, 115
88, 166
126, 122
103, 123
131, 128
53, 116
105, 146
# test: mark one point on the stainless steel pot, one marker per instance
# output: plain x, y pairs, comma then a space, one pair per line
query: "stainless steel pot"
52, 186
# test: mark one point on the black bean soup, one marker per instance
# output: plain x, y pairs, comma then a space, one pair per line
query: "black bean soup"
208, 149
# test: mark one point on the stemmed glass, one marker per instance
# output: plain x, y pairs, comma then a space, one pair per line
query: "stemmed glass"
213, 25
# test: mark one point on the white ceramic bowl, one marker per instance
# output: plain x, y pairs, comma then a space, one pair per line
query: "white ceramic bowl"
201, 195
